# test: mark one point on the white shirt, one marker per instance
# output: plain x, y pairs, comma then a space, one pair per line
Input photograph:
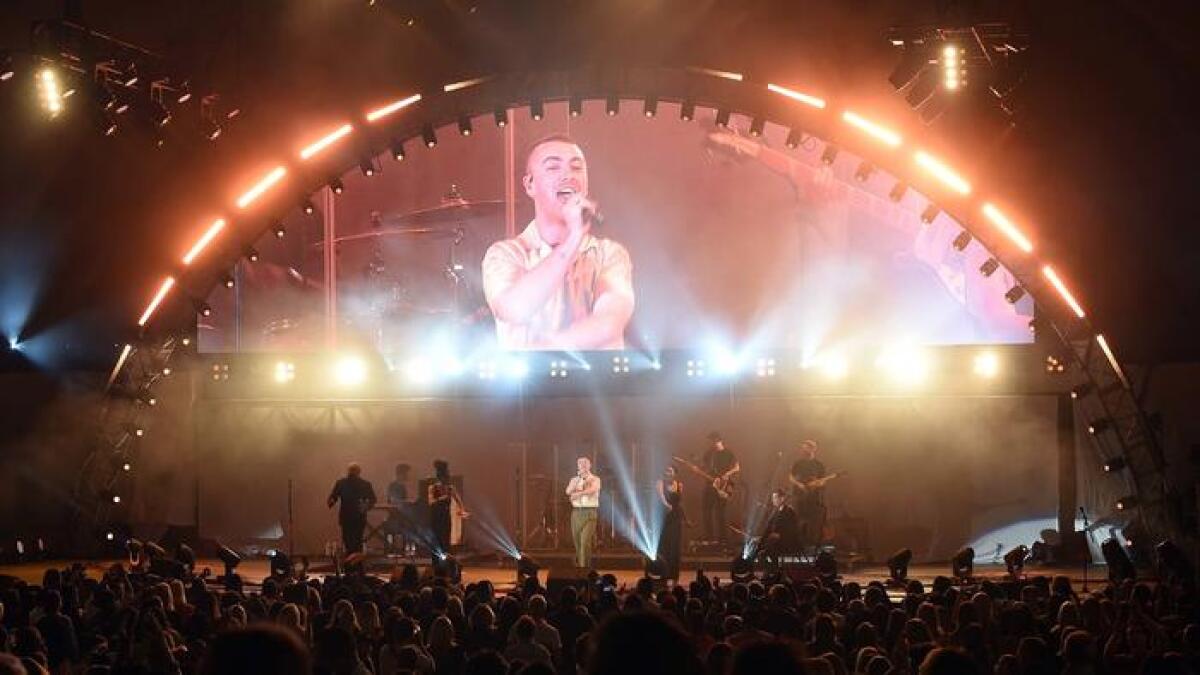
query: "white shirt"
585, 501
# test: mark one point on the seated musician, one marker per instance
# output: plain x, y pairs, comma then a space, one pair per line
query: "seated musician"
399, 523
781, 536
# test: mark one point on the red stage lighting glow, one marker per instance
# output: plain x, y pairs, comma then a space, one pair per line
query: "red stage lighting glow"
942, 172
1059, 286
1006, 226
325, 141
264, 184
806, 99
380, 113
872, 129
165, 288
210, 234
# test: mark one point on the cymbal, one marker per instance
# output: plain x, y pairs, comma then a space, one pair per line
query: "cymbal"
450, 212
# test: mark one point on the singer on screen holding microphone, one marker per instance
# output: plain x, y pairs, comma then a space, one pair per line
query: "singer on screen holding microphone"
557, 285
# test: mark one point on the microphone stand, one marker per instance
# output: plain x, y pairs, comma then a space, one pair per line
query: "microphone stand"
1087, 554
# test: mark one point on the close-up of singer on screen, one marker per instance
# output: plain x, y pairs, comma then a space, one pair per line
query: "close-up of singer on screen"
558, 284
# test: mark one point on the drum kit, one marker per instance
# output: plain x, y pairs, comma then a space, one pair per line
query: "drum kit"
405, 277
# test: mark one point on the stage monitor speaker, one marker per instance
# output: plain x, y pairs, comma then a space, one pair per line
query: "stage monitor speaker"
558, 578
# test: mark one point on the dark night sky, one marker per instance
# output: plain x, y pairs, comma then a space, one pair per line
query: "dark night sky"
1102, 159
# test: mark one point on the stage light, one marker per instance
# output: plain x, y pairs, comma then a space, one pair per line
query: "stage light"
905, 364
537, 109
833, 366
930, 214
285, 371
620, 364
612, 105
397, 148
337, 186
500, 116
367, 167
1054, 364
210, 129
516, 368
765, 367
1063, 291
486, 370
806, 99
723, 118
1120, 568
281, 564
912, 61
864, 171
953, 72
725, 362
205, 239
380, 113
229, 558
109, 536
1014, 560
163, 289
349, 370
925, 85
313, 149
220, 372
1014, 294
963, 563
1007, 227
829, 154
1081, 390
558, 369
898, 565
961, 241
447, 567
251, 254
942, 172
166, 371
227, 280
1112, 359
741, 569
279, 230
127, 467
464, 125
989, 267
526, 568
650, 107
756, 126
793, 139
429, 136
203, 308
1114, 464
873, 129
1126, 503
987, 364
116, 499
419, 370
1098, 426
307, 207
654, 569
6, 67
687, 110
695, 368
51, 91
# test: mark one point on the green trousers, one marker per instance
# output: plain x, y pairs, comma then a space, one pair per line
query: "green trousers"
583, 533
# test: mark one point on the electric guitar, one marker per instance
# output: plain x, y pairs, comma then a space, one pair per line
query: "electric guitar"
723, 485
801, 487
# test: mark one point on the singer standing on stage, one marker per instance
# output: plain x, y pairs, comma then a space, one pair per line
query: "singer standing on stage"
556, 285
584, 491
357, 497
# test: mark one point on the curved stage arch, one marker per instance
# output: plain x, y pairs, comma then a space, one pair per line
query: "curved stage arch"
417, 117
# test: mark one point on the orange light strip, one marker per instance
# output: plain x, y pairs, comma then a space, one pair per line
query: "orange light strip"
267, 181
1006, 226
158, 298
942, 172
1050, 274
455, 86
876, 131
326, 141
797, 96
112, 377
204, 240
725, 74
1112, 359
380, 113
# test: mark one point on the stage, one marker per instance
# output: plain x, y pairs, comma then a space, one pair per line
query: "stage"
254, 571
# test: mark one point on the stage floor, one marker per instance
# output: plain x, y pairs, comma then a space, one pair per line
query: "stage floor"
253, 572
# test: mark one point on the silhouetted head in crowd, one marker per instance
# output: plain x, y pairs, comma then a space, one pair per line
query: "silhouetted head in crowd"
946, 661
260, 649
642, 643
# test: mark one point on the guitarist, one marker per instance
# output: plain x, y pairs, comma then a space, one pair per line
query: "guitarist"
808, 493
720, 463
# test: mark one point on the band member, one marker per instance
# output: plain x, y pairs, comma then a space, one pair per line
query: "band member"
556, 285
442, 497
781, 536
808, 499
399, 518
670, 540
357, 497
584, 492
720, 463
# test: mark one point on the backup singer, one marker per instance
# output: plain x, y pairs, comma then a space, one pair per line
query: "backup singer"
808, 498
720, 463
556, 285
442, 497
670, 540
357, 497
584, 492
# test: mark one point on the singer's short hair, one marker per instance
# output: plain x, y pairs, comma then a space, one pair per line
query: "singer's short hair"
557, 137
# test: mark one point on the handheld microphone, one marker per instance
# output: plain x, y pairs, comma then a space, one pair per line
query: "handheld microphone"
593, 216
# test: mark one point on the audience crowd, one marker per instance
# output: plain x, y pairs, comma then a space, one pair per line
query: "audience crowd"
131, 621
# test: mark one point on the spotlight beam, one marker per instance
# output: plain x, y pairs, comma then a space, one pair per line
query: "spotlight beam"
877, 131
313, 149
1007, 227
395, 106
806, 99
941, 171
265, 183
204, 240
1063, 291
165, 288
